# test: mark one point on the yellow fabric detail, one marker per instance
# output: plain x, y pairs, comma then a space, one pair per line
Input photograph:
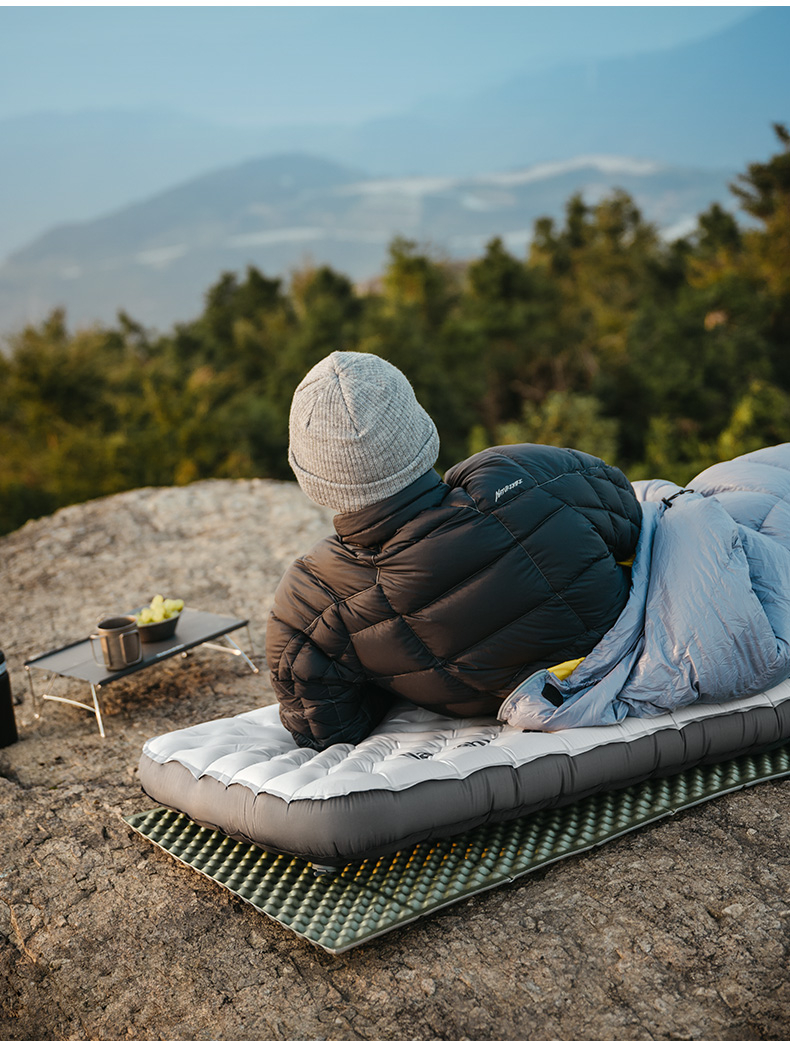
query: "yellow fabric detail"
565, 668
626, 563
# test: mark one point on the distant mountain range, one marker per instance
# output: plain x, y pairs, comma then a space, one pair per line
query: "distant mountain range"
155, 259
103, 210
63, 167
707, 104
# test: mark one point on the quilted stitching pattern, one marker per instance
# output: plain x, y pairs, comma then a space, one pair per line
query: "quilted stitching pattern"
412, 745
515, 563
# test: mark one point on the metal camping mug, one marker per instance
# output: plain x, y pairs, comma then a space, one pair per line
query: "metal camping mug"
120, 641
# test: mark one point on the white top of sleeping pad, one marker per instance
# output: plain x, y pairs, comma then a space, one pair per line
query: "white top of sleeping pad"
410, 746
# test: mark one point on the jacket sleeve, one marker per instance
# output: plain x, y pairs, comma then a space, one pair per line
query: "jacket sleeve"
324, 694
619, 520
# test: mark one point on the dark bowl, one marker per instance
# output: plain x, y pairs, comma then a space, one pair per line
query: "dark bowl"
156, 631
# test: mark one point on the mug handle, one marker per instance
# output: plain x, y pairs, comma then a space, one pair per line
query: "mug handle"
136, 635
93, 637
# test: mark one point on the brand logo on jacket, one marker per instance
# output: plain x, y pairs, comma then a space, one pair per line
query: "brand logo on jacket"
507, 488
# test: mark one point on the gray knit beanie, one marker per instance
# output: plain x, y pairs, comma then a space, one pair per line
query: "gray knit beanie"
357, 432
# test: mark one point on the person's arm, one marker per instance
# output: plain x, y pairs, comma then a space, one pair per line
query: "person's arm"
620, 520
325, 697
591, 487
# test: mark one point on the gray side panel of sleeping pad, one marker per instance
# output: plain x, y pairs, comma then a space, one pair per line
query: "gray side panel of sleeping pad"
378, 822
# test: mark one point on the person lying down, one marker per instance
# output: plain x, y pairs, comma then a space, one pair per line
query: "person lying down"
506, 587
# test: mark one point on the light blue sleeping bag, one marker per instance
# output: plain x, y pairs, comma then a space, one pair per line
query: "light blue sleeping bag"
708, 618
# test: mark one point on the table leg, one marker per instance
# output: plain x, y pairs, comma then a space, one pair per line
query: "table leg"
233, 649
38, 705
97, 709
32, 693
47, 696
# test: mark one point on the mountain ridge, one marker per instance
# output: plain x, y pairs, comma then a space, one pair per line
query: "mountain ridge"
155, 258
719, 84
76, 166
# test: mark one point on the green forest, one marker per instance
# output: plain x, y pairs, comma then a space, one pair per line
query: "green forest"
659, 357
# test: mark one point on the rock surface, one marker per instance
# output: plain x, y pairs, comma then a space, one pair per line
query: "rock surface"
677, 931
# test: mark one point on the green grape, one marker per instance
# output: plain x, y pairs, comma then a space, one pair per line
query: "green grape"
159, 610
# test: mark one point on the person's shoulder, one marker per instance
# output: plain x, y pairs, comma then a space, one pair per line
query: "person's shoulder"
532, 457
503, 472
305, 568
328, 573
316, 560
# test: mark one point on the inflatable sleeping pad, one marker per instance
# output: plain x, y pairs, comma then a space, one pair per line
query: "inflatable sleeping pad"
421, 777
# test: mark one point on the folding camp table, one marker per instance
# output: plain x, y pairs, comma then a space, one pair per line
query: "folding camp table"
195, 629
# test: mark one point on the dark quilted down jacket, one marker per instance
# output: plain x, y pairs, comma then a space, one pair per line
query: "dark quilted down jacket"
452, 592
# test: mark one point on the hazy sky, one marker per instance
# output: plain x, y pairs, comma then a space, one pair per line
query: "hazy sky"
272, 65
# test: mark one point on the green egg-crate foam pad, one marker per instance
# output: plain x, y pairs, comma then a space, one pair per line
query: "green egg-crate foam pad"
340, 910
